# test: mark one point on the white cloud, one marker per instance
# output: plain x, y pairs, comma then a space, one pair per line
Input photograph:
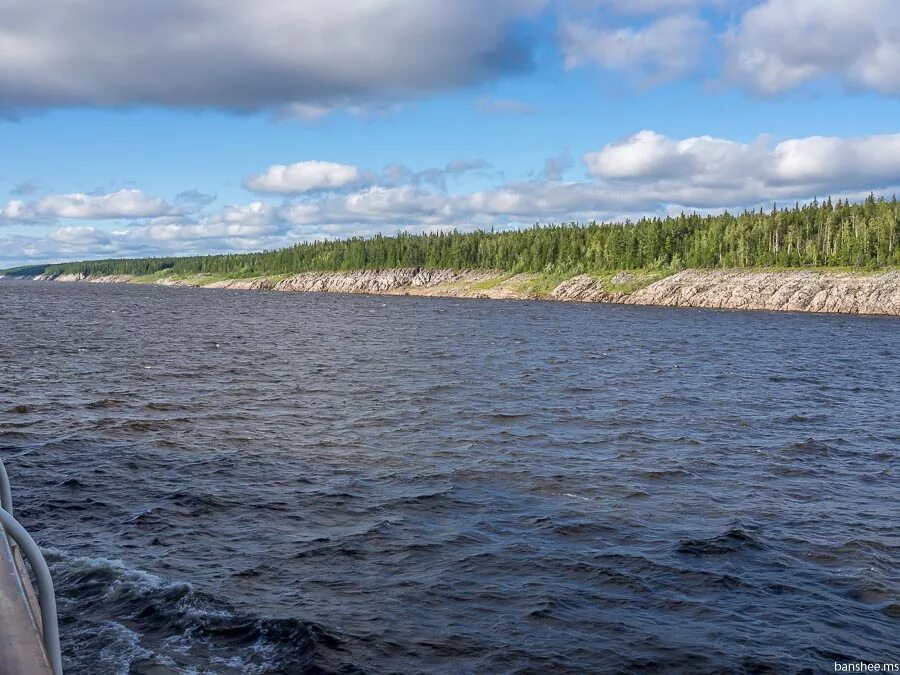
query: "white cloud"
78, 239
126, 203
234, 228
667, 48
649, 156
858, 162
646, 154
301, 177
794, 168
311, 177
305, 55
15, 210
782, 44
645, 174
242, 226
402, 205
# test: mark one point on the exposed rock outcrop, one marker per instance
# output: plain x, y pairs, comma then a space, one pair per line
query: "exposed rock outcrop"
795, 291
257, 284
584, 288
91, 279
791, 291
378, 281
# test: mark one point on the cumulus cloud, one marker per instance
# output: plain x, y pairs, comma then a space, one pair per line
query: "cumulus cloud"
401, 205
782, 44
76, 239
302, 177
126, 203
666, 48
796, 167
649, 156
236, 224
774, 46
16, 211
313, 176
306, 55
872, 161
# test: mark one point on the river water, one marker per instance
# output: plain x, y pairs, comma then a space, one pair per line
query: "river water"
244, 482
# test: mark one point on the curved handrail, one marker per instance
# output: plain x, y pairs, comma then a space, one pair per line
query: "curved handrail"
46, 594
5, 490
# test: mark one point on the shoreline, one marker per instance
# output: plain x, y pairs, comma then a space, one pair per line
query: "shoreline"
830, 292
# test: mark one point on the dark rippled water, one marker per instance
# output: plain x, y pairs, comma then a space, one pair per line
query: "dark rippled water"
260, 482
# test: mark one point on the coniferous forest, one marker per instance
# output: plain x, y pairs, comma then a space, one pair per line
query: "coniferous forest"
826, 234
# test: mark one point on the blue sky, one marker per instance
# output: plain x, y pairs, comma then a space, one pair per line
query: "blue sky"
187, 126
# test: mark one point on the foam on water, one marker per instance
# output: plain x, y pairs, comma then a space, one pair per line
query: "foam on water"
189, 629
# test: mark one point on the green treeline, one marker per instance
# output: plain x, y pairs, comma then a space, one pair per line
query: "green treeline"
824, 234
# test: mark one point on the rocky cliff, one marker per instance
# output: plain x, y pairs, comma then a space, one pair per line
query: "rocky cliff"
796, 291
371, 281
790, 291
98, 279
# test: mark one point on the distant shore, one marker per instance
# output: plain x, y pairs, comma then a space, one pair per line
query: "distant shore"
823, 291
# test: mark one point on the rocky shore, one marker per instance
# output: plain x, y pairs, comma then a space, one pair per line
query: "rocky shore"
794, 291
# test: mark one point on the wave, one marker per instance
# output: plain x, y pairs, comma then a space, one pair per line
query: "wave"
811, 448
732, 541
162, 624
104, 403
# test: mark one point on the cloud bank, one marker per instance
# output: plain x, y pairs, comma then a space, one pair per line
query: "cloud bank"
246, 56
128, 203
644, 174
304, 59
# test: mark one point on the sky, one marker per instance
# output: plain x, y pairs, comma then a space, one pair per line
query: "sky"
197, 126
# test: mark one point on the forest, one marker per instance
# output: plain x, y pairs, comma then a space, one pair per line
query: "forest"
818, 234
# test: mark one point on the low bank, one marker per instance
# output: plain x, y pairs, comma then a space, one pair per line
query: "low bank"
839, 292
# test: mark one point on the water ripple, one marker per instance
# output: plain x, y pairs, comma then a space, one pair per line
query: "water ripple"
260, 483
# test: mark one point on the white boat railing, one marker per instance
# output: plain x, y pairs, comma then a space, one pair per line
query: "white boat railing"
14, 531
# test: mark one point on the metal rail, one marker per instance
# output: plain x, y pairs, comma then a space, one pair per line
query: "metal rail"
32, 552
5, 491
